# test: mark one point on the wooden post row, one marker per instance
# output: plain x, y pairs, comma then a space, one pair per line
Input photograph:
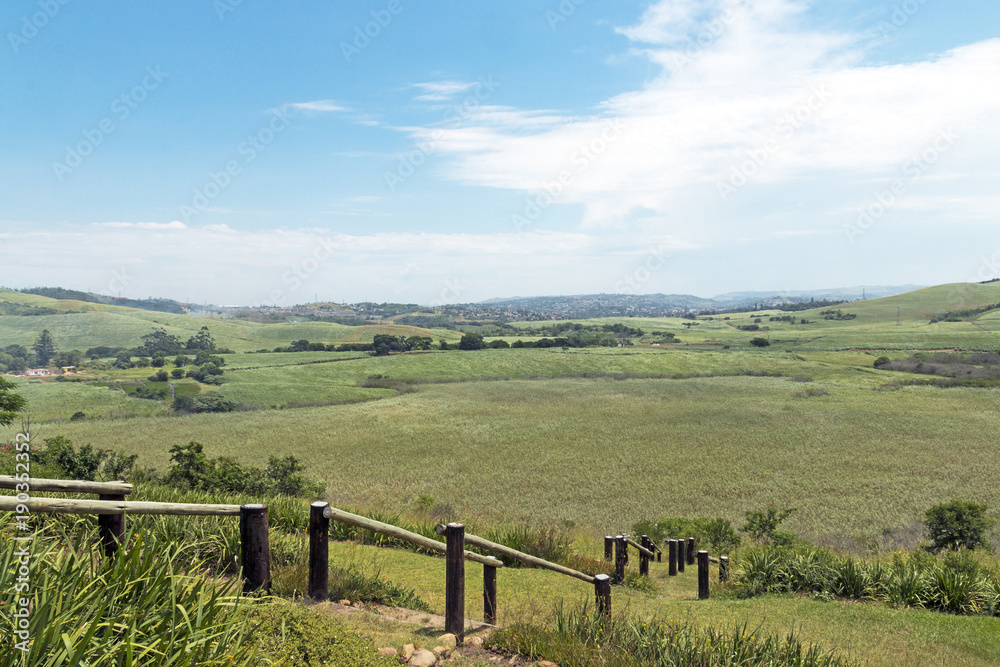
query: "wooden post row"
319, 551
454, 593
490, 594
111, 527
602, 591
255, 553
672, 558
702, 575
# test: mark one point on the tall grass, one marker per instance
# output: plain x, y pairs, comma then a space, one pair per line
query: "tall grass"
580, 638
139, 608
955, 583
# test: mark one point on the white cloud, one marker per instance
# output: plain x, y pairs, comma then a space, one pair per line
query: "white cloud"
751, 99
317, 106
441, 91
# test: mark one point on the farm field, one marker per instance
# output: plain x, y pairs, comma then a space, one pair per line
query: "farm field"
603, 454
592, 440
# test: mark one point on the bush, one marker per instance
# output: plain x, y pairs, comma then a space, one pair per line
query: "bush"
762, 524
190, 468
78, 416
958, 524
881, 361
86, 463
717, 535
760, 342
471, 341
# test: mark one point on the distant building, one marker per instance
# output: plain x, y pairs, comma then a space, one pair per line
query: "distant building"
36, 371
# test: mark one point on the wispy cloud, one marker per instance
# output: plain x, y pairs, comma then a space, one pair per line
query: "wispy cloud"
317, 106
747, 92
440, 91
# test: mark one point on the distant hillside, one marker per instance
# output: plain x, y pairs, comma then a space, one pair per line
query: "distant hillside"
835, 294
601, 305
62, 294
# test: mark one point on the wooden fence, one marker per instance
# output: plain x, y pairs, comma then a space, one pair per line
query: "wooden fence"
112, 507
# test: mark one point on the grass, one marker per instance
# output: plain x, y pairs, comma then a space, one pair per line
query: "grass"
603, 454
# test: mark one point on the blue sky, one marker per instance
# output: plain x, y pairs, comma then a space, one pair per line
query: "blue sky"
249, 152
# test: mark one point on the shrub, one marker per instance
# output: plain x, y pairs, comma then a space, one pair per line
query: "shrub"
191, 469
78, 416
959, 523
760, 342
177, 373
715, 534
762, 524
881, 361
471, 341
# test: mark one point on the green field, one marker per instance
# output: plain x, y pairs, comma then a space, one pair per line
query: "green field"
600, 438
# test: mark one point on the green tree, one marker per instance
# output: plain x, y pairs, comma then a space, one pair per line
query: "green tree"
10, 403
959, 523
385, 344
201, 341
762, 524
471, 341
44, 348
760, 342
158, 340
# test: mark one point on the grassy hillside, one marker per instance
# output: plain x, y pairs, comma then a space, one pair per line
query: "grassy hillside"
82, 325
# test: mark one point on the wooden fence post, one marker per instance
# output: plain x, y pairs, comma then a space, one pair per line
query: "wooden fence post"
319, 551
255, 553
454, 593
672, 558
609, 545
621, 558
111, 527
690, 551
723, 569
643, 558
490, 593
702, 575
681, 558
602, 590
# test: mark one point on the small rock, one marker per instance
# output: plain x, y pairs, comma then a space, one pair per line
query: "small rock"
422, 658
346, 603
449, 640
547, 663
389, 652
475, 641
408, 651
441, 652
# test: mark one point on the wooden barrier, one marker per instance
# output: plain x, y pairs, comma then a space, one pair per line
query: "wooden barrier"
255, 551
602, 591
681, 558
111, 527
609, 546
672, 558
703, 575
490, 593
527, 559
454, 592
66, 486
403, 534
74, 506
621, 559
319, 551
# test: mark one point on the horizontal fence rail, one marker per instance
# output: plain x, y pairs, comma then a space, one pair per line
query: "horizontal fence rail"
403, 534
72, 506
66, 486
534, 561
